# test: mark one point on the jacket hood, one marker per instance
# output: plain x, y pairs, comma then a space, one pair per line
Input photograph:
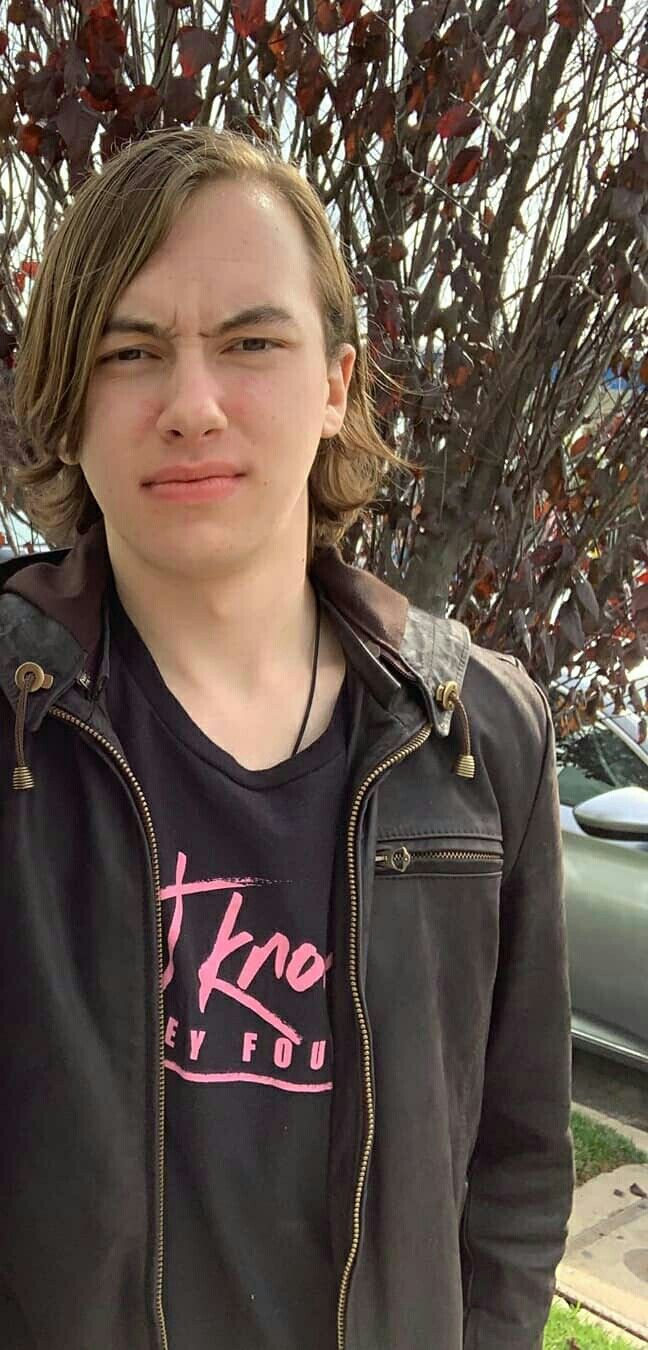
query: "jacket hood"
51, 613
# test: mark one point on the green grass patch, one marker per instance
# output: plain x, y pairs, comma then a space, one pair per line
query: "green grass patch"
565, 1330
597, 1148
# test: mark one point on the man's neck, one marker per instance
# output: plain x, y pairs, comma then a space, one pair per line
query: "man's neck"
239, 630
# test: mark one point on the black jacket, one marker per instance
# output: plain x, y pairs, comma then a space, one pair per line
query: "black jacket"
451, 1166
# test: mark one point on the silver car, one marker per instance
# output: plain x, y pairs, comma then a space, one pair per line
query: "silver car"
603, 784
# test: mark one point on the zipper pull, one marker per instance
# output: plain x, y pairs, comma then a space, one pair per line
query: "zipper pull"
28, 677
447, 696
399, 858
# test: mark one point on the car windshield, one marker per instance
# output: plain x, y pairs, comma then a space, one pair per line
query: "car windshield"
594, 759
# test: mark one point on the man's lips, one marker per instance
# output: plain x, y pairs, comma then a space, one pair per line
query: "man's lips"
194, 484
193, 473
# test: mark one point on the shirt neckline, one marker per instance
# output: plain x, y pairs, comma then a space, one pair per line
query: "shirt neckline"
142, 670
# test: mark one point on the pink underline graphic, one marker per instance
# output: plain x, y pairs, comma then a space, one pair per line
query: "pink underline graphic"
246, 1078
197, 887
231, 991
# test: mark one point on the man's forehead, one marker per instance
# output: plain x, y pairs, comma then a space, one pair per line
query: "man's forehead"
139, 320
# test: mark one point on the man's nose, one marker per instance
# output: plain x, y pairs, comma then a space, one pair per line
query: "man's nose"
193, 398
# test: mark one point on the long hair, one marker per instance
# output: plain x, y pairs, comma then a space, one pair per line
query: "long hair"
118, 218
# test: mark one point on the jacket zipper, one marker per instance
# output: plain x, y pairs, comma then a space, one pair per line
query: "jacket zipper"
414, 744
145, 814
400, 858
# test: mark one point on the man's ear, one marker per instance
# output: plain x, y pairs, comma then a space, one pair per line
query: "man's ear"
339, 380
62, 451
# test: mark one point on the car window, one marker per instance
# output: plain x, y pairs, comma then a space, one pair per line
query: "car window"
591, 760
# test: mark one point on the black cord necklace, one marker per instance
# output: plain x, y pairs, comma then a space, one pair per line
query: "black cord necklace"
314, 674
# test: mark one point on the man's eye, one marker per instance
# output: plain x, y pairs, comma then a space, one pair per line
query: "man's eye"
268, 341
125, 351
128, 351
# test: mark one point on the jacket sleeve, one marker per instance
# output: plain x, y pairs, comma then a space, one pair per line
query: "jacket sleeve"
521, 1177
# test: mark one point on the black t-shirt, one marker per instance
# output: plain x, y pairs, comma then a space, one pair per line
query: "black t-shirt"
246, 862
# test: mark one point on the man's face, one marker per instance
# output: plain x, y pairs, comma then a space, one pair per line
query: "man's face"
257, 398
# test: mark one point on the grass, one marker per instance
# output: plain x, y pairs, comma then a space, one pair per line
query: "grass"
597, 1148
565, 1330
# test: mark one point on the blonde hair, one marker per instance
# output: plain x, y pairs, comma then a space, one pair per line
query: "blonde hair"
119, 217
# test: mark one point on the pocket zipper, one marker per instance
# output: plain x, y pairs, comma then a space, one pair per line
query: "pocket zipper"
400, 858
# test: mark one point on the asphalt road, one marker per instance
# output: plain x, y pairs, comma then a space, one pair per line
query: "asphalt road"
612, 1088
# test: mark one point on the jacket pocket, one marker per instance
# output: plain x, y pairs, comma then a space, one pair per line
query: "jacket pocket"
451, 856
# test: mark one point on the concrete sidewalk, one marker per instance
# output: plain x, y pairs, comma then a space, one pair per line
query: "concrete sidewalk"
605, 1266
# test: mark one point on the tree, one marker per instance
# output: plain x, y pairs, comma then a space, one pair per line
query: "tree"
487, 171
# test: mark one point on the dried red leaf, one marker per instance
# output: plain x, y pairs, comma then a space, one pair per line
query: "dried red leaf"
327, 17
311, 84
182, 103
104, 42
609, 26
30, 137
486, 579
527, 20
4, 42
369, 39
419, 27
249, 16
460, 120
585, 594
382, 114
580, 444
389, 313
196, 49
104, 9
471, 68
347, 89
464, 166
352, 138
350, 10
321, 140
569, 623
140, 104
457, 365
548, 642
20, 11
569, 14
552, 480
30, 267
560, 116
620, 364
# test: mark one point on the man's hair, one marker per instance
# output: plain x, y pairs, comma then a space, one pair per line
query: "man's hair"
119, 217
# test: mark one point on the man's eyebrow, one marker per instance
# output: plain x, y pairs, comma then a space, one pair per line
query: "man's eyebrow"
252, 317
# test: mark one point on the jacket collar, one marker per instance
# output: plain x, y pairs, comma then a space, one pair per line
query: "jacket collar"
51, 612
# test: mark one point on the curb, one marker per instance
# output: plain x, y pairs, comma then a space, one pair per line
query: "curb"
583, 1310
589, 1292
636, 1136
596, 1312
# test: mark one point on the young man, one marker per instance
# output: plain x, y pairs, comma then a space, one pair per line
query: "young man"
285, 1020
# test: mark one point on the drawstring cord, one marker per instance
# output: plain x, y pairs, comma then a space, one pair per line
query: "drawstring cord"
447, 696
29, 677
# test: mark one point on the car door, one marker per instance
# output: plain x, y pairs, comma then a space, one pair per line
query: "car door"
606, 896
